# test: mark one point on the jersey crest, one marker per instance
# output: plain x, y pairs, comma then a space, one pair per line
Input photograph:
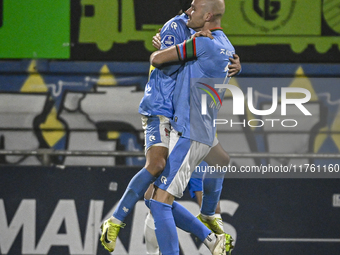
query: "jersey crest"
169, 40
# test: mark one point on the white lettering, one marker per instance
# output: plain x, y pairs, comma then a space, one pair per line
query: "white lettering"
262, 112
24, 217
238, 100
261, 123
64, 212
297, 101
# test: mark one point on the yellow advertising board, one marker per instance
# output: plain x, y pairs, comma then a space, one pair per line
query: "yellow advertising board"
294, 22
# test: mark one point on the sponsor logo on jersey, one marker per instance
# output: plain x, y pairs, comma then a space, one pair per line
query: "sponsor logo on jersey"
174, 25
227, 52
152, 138
164, 180
169, 40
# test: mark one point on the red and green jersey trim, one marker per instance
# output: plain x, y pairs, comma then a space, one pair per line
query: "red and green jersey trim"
189, 50
189, 47
216, 28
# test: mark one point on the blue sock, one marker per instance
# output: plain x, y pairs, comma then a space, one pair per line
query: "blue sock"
188, 222
134, 191
166, 231
212, 188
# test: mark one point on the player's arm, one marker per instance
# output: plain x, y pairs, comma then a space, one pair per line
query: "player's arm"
160, 57
173, 33
185, 51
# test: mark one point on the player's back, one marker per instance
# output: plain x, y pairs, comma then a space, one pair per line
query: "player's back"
198, 78
158, 92
212, 56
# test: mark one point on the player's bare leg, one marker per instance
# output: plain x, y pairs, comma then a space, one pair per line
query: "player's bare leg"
217, 156
156, 159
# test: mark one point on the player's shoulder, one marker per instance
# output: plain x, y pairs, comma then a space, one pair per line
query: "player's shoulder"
204, 42
174, 31
177, 22
221, 39
217, 46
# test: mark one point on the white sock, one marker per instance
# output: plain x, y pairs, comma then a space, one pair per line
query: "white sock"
152, 247
207, 217
115, 221
220, 222
210, 241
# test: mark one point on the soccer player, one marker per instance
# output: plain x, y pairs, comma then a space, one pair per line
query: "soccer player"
156, 108
195, 187
190, 146
195, 184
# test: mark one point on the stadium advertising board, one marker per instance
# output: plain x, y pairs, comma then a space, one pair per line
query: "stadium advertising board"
261, 31
59, 210
34, 29
292, 22
268, 30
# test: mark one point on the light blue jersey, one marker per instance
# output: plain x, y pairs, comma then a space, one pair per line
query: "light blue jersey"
198, 78
158, 92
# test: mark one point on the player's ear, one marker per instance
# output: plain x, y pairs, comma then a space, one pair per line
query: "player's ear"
209, 16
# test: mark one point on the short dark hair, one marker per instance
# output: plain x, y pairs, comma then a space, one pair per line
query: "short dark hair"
185, 4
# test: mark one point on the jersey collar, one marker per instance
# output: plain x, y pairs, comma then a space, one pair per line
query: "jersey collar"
216, 28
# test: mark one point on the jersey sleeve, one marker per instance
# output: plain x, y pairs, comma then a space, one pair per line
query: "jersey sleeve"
192, 48
174, 32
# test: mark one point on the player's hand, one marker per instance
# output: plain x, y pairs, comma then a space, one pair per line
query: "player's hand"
205, 33
156, 40
235, 66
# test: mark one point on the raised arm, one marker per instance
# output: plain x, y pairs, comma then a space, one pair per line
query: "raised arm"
160, 57
171, 54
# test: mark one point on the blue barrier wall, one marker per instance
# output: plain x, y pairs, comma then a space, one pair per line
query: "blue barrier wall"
59, 211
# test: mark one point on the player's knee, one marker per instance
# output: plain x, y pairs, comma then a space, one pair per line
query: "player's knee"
156, 167
226, 159
222, 160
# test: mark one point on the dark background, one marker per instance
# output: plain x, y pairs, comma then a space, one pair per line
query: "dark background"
268, 208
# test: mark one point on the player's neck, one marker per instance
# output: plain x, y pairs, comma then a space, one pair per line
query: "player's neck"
210, 25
